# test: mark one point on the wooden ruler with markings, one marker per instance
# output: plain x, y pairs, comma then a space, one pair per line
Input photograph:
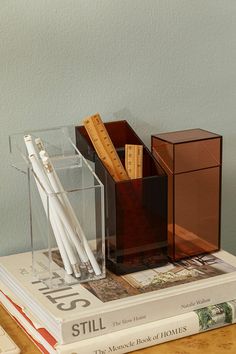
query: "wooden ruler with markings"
134, 160
104, 147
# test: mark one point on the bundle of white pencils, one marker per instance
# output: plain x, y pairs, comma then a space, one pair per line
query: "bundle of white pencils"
73, 246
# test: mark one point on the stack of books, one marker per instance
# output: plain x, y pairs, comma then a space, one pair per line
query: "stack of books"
120, 314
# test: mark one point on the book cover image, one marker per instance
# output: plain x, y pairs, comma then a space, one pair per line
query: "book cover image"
177, 273
215, 316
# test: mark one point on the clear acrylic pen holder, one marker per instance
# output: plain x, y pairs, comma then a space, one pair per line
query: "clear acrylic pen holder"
66, 209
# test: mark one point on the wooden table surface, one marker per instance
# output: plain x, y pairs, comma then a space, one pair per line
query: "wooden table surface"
16, 333
218, 341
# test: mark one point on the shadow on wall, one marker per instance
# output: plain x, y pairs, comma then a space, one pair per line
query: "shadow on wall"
143, 129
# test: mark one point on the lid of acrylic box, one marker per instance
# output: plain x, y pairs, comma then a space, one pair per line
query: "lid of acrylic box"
187, 150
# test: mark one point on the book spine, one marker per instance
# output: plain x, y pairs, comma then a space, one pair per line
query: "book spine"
149, 311
148, 334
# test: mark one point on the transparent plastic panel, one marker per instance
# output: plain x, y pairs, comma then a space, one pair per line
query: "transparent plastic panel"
136, 209
57, 141
197, 155
192, 159
66, 208
185, 136
197, 217
165, 155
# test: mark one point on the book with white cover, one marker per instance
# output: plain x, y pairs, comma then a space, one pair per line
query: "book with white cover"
129, 339
92, 309
157, 332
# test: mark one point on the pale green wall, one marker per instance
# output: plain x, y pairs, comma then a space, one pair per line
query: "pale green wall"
163, 65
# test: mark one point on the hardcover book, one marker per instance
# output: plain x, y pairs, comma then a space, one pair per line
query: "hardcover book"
30, 325
129, 339
157, 332
95, 308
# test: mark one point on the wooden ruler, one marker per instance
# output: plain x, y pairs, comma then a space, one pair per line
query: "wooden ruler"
104, 147
134, 160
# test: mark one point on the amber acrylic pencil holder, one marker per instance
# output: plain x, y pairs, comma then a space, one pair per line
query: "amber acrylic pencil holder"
192, 160
135, 209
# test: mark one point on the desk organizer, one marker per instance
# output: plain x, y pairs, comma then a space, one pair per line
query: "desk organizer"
192, 160
135, 209
85, 194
